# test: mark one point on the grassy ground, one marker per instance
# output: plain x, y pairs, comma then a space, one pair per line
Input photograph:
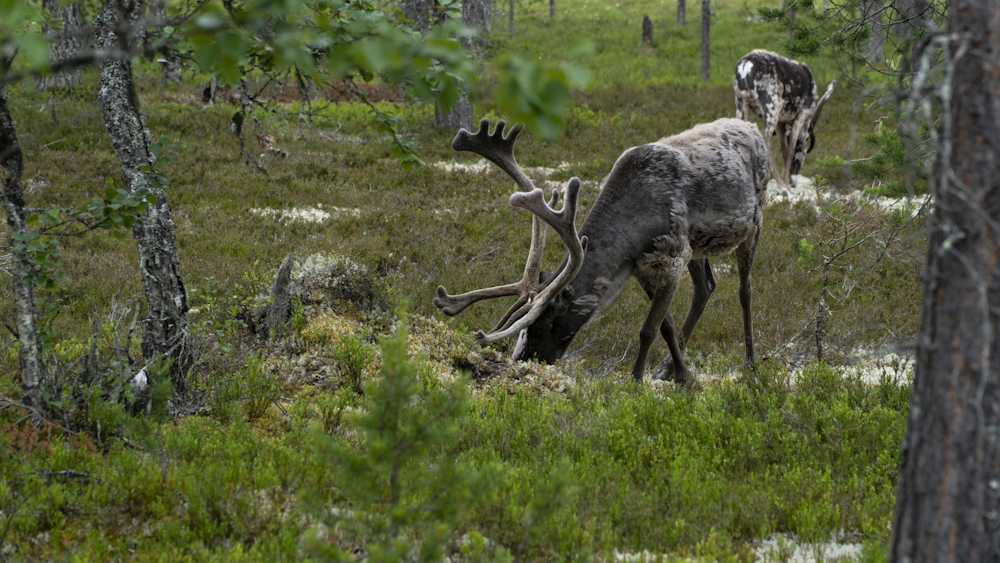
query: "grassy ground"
703, 473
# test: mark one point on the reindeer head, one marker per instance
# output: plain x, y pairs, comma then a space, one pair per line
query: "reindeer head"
535, 293
807, 138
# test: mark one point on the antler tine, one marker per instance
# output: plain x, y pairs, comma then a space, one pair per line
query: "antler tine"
822, 102
496, 147
564, 223
499, 149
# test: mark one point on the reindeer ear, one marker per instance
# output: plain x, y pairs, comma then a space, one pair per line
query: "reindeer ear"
819, 105
544, 277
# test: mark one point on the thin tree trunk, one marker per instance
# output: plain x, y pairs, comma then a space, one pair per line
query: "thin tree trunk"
552, 9
948, 504
65, 45
170, 64
164, 328
791, 20
12, 195
705, 52
510, 18
872, 14
681, 11
460, 115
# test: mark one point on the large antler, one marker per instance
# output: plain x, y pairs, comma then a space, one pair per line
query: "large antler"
821, 103
500, 150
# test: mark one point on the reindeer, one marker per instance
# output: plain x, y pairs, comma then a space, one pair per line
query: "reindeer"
782, 93
665, 206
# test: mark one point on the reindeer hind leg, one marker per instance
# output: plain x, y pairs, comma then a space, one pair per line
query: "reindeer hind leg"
744, 261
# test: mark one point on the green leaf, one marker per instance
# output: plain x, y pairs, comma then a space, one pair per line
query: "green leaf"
34, 47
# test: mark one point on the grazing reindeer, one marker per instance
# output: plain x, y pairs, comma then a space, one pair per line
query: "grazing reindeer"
782, 93
665, 206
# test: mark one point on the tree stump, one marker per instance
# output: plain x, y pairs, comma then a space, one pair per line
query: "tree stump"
280, 308
647, 30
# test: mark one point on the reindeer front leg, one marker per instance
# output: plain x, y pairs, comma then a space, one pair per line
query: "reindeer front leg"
660, 320
800, 123
769, 128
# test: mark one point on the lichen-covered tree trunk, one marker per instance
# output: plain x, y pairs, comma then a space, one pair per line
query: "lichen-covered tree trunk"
706, 15
459, 117
164, 328
948, 504
12, 195
65, 45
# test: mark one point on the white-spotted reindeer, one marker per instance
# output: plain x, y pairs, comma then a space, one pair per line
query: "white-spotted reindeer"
665, 206
782, 93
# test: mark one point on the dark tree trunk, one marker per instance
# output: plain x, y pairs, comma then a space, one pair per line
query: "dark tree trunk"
164, 328
510, 18
705, 52
948, 505
65, 45
12, 195
552, 9
419, 13
681, 11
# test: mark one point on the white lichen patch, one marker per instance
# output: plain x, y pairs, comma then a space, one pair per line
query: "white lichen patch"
784, 549
317, 214
806, 190
471, 168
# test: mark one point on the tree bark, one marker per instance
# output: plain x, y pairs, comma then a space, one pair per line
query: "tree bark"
170, 64
948, 505
681, 11
12, 195
872, 14
65, 45
705, 52
510, 18
164, 328
459, 117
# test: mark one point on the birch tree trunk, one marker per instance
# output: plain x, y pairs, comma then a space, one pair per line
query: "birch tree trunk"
164, 328
705, 51
65, 45
12, 195
948, 505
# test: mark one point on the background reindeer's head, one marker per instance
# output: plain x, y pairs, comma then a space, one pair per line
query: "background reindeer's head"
782, 93
807, 137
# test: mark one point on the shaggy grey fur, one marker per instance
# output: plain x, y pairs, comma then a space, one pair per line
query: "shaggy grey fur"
665, 206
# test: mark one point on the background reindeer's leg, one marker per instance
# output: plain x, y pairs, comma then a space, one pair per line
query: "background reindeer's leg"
786, 147
744, 261
659, 318
770, 124
800, 122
